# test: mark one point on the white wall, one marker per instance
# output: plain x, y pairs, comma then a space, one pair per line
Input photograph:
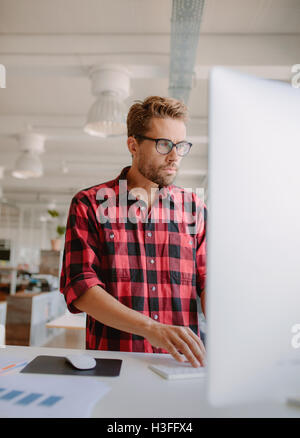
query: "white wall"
27, 244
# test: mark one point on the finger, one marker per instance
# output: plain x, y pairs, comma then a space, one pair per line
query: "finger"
194, 336
194, 359
184, 343
174, 352
198, 340
194, 347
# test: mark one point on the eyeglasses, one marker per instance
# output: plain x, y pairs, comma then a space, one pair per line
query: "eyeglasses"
164, 146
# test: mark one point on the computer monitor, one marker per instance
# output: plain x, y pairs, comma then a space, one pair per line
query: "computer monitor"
253, 239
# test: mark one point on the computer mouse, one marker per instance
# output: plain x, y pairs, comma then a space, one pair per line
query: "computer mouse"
81, 361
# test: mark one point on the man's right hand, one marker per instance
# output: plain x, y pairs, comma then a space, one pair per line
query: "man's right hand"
176, 339
109, 311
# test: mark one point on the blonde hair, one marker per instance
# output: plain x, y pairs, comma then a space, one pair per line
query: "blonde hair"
141, 113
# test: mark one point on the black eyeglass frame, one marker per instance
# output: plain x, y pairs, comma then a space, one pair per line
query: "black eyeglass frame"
166, 139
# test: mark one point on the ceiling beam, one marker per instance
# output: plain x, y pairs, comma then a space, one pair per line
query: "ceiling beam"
69, 126
82, 51
201, 72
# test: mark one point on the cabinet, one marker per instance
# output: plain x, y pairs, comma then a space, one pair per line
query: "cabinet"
27, 315
12, 272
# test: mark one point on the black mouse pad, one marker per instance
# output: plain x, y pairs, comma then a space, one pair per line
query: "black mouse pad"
60, 365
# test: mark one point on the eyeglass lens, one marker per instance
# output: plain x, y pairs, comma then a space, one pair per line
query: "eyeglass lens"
165, 146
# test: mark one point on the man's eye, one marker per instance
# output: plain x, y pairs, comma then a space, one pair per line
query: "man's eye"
164, 143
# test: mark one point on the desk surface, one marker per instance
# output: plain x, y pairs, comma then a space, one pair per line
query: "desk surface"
140, 393
69, 321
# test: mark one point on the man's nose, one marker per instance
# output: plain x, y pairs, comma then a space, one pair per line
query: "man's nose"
172, 155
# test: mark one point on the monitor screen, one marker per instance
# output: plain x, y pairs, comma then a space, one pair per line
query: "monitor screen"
253, 275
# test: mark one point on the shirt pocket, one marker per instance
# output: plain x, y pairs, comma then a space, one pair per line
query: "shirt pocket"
182, 258
115, 255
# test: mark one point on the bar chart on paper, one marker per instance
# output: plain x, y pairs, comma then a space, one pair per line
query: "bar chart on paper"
49, 396
24, 398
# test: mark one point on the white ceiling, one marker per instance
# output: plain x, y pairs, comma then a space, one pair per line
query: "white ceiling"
134, 17
48, 46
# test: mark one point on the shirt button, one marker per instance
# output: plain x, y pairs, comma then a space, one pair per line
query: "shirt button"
155, 316
191, 242
152, 261
149, 234
143, 208
153, 288
112, 236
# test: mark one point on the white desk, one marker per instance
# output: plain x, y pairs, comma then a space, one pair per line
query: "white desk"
138, 392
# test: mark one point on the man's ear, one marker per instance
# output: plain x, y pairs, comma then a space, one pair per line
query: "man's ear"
132, 145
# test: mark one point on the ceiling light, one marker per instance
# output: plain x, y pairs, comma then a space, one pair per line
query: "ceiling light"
28, 165
31, 141
107, 116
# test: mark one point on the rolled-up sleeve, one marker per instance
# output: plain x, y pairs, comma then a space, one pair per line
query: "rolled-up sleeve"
201, 248
81, 268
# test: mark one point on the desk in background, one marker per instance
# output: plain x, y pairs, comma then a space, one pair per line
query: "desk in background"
140, 393
69, 321
73, 327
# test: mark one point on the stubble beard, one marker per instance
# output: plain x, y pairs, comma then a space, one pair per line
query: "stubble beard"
155, 175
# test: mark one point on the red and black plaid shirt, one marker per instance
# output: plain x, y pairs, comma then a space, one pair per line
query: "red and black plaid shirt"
154, 263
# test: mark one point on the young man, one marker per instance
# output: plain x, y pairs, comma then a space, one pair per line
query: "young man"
132, 261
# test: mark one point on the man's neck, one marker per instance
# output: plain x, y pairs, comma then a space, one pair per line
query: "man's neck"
136, 181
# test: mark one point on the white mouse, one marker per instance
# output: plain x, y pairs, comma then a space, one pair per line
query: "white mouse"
81, 361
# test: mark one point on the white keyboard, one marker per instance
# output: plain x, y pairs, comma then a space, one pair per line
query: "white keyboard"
175, 370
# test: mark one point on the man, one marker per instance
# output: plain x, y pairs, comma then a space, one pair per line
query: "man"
137, 278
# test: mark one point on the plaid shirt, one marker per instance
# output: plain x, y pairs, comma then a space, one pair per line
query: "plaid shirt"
154, 263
